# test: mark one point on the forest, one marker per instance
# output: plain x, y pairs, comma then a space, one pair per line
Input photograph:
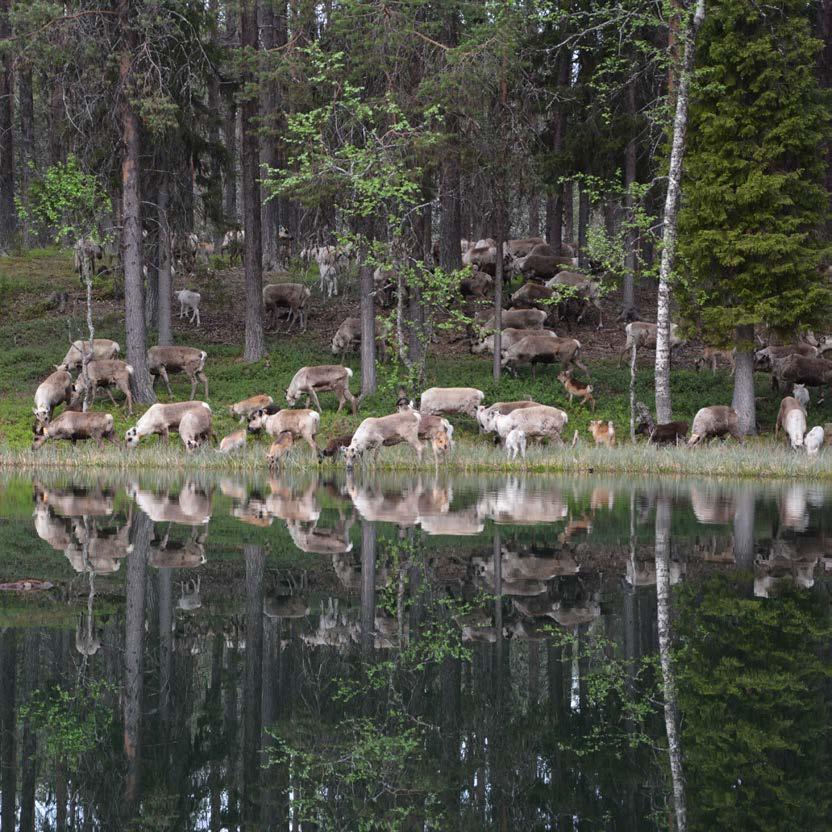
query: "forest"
675, 154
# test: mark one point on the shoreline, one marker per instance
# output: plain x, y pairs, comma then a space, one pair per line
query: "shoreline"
754, 460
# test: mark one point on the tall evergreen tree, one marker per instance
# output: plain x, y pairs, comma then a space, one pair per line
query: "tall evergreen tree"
754, 206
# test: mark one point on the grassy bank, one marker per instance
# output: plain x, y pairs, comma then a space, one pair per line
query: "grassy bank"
34, 337
756, 459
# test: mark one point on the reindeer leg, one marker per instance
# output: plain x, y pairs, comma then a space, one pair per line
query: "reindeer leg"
315, 399
192, 377
164, 373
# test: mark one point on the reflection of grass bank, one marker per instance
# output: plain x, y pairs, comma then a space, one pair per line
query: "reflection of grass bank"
756, 459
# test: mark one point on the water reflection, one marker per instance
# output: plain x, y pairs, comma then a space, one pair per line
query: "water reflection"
473, 653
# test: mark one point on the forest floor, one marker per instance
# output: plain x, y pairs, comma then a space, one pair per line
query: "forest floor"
34, 337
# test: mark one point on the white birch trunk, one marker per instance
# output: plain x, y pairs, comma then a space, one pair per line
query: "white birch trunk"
671, 207
671, 708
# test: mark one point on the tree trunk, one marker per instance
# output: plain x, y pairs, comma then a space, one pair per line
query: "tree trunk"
269, 154
628, 311
141, 534
671, 205
8, 215
824, 30
8, 727
57, 120
497, 365
255, 558
255, 347
534, 214
28, 146
368, 585
368, 327
583, 226
165, 287
664, 624
150, 265
230, 125
214, 194
633, 355
555, 198
569, 211
743, 400
132, 225
450, 189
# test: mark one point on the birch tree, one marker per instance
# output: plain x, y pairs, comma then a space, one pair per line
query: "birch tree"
669, 225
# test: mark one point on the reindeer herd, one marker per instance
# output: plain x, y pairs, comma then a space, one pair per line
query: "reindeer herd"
551, 293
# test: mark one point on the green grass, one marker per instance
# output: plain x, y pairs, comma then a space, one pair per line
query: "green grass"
30, 345
756, 459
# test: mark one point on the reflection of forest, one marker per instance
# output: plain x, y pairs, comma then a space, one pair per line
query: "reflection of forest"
455, 655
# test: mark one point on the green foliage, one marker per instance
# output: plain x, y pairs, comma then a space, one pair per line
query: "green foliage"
754, 201
71, 723
352, 149
752, 675
369, 779
66, 202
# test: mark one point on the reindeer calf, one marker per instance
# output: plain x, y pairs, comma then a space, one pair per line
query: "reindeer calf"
576, 388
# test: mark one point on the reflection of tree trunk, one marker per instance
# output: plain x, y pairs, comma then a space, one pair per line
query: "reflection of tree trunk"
255, 560
28, 738
744, 529
368, 585
534, 673
165, 646
554, 666
8, 733
671, 707
141, 532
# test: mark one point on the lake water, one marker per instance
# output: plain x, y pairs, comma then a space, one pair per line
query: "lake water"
414, 653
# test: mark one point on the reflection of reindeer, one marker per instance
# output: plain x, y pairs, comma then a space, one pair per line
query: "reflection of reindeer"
374, 504
189, 599
792, 562
349, 572
87, 642
191, 508
104, 543
643, 572
51, 529
75, 502
602, 498
313, 538
582, 525
794, 509
712, 505
334, 628
176, 555
284, 502
516, 503
457, 523
285, 606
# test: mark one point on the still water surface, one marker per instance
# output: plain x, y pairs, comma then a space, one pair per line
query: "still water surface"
414, 653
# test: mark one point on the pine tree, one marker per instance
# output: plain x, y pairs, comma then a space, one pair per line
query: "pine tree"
754, 202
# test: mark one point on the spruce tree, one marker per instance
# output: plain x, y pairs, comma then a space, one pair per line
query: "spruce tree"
754, 201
